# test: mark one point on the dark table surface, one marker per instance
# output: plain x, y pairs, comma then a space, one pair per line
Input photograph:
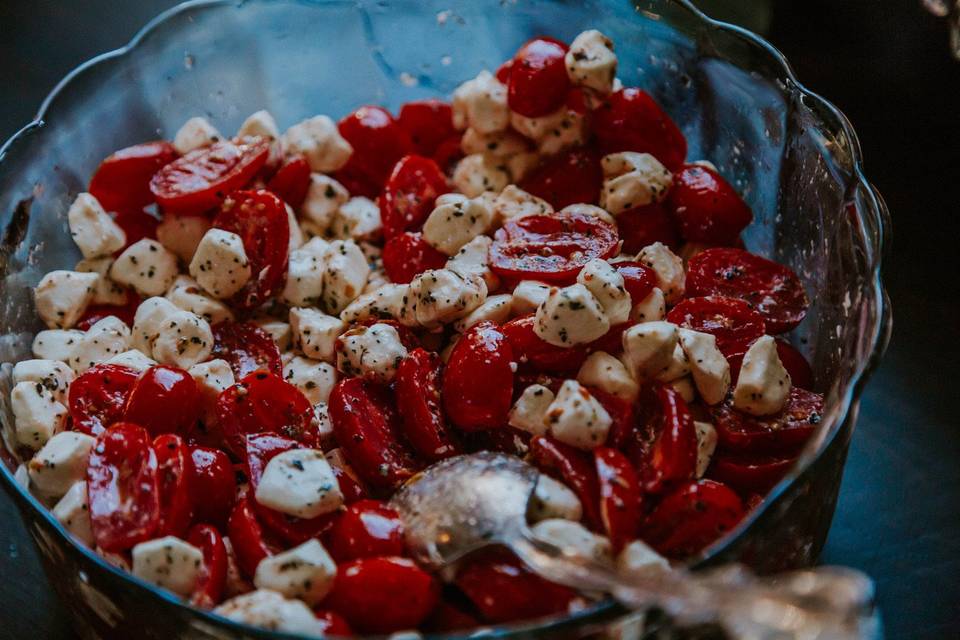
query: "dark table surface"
886, 65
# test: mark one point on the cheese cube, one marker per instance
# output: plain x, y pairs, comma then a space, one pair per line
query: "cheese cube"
318, 140
384, 302
55, 344
479, 173
651, 308
270, 610
684, 386
147, 321
481, 104
37, 414
570, 316
147, 266
196, 133
671, 279
553, 132
60, 463
92, 228
315, 333
321, 414
132, 359
106, 291
522, 164
73, 512
648, 348
638, 558
324, 198
278, 330
63, 296
573, 538
442, 296
305, 572
52, 374
607, 373
633, 180
296, 233
529, 412
183, 340
314, 379
528, 295
473, 259
678, 366
553, 499
589, 210
706, 445
358, 218
763, 385
455, 221
607, 286
304, 285
495, 309
710, 370
105, 339
576, 418
591, 62
514, 202
220, 264
213, 377
344, 275
187, 294
169, 563
259, 123
299, 483
498, 144
372, 352
181, 235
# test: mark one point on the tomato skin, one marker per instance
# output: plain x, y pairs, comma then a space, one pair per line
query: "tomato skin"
214, 485
771, 289
122, 181
672, 457
378, 142
409, 194
97, 312
448, 154
639, 279
200, 180
418, 401
750, 474
570, 177
291, 181
801, 374
164, 399
575, 468
780, 434
137, 224
247, 537
691, 517
449, 616
122, 487
707, 207
731, 320
407, 255
401, 594
623, 415
537, 355
630, 120
642, 226
175, 472
97, 397
246, 347
620, 496
428, 123
367, 528
336, 626
538, 81
208, 591
478, 381
366, 425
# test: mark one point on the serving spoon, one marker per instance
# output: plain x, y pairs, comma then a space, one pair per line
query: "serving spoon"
472, 501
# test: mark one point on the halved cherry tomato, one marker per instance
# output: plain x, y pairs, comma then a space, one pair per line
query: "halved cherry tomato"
174, 472
97, 312
551, 248
428, 123
334, 626
260, 219
214, 485
672, 457
707, 207
502, 589
418, 401
570, 177
291, 181
750, 474
246, 347
407, 255
770, 288
535, 354
250, 544
620, 496
478, 381
573, 467
691, 517
122, 487
793, 361
97, 397
366, 529
784, 432
383, 595
164, 400
642, 226
378, 142
200, 180
212, 579
448, 153
449, 616
122, 180
638, 279
538, 81
623, 416
732, 321
264, 401
137, 224
503, 71
630, 120
408, 197
367, 427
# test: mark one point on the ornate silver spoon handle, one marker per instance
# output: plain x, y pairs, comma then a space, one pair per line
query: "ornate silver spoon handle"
949, 9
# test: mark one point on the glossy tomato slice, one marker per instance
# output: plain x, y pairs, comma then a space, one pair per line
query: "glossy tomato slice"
378, 142
246, 347
731, 320
428, 123
175, 473
97, 397
260, 219
200, 180
538, 81
478, 381
250, 543
418, 401
367, 528
573, 467
691, 517
214, 485
639, 279
164, 400
801, 374
408, 197
407, 255
550, 248
642, 226
707, 207
538, 356
630, 120
570, 177
97, 312
291, 181
623, 414
367, 428
784, 432
122, 488
212, 579
772, 289
750, 474
620, 496
122, 180
672, 456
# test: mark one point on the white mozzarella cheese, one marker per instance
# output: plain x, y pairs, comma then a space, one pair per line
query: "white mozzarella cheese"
181, 235
183, 340
638, 557
710, 369
324, 198
359, 219
373, 352
678, 367
146, 322
106, 291
296, 233
706, 445
314, 379
522, 164
651, 308
73, 512
478, 173
299, 483
213, 377
61, 297
573, 538
495, 309
318, 140
321, 414
684, 386
442, 296
570, 316
528, 295
514, 202
105, 339
37, 414
315, 333
147, 266
481, 104
529, 412
553, 132
763, 385
591, 62
648, 348
455, 221
195, 133
187, 294
553, 499
607, 373
384, 302
576, 418
668, 266
607, 286
498, 144
270, 610
473, 259
632, 180
220, 263
305, 572
304, 284
55, 344
132, 359
60, 463
260, 123
590, 210
168, 562
52, 374
92, 228
345, 273
278, 330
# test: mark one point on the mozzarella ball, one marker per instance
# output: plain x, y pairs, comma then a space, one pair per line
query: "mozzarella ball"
299, 483
183, 340
371, 352
570, 316
220, 264
60, 463
668, 266
315, 333
455, 221
607, 286
481, 104
196, 133
763, 386
319, 141
305, 572
648, 348
605, 372
61, 297
442, 296
633, 180
591, 62
92, 228
529, 412
576, 418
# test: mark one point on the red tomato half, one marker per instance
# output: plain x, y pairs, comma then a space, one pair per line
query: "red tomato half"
214, 485
691, 517
418, 401
536, 355
550, 248
570, 177
97, 397
291, 181
749, 474
122, 180
538, 81
366, 529
672, 456
174, 472
428, 123
137, 224
200, 180
246, 347
122, 488
639, 279
407, 255
642, 226
408, 197
620, 496
784, 432
378, 142
573, 467
249, 542
478, 382
707, 207
732, 321
164, 400
632, 121
208, 591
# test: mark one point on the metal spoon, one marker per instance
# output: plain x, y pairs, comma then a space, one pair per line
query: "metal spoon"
468, 502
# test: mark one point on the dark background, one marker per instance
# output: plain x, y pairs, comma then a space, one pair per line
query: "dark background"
885, 63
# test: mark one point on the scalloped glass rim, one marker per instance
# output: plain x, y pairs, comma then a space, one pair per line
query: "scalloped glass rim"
833, 419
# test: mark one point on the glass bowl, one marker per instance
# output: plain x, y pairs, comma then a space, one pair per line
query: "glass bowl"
793, 155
